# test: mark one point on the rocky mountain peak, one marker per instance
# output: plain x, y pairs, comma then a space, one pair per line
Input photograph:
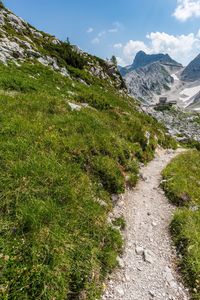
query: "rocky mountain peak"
142, 59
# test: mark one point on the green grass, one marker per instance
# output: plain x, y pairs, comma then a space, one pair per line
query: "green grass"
55, 242
182, 186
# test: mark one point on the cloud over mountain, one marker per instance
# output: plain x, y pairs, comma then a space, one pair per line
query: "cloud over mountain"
180, 47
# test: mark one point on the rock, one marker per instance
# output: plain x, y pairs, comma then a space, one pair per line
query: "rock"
74, 106
33, 53
149, 256
120, 290
56, 42
64, 72
101, 202
36, 33
127, 277
43, 61
2, 22
152, 294
144, 178
194, 207
120, 262
115, 198
168, 275
14, 19
139, 250
185, 198
154, 223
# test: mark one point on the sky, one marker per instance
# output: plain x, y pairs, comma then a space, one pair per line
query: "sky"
119, 27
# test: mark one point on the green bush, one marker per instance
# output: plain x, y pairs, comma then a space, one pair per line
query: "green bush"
65, 54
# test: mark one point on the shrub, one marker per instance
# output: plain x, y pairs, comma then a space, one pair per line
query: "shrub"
65, 54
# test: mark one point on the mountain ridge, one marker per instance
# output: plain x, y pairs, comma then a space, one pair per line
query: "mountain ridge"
142, 59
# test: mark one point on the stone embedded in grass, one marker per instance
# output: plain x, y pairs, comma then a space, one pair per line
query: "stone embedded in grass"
74, 106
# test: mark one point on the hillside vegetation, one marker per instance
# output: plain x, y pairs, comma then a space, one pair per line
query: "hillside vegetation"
182, 185
70, 138
59, 168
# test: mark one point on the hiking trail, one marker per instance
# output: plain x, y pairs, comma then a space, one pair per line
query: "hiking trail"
148, 264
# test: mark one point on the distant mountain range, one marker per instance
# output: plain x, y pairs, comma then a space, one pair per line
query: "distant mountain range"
151, 76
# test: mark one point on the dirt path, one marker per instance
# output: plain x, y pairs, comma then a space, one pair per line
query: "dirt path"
147, 265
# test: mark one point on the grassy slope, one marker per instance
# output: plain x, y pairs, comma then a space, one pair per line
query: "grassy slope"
183, 188
55, 242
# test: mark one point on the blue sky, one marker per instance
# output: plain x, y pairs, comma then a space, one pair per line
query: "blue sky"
120, 27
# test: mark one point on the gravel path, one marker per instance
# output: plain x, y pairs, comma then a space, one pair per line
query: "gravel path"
147, 267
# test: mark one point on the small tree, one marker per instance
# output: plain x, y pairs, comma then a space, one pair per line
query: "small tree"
68, 41
2, 5
114, 60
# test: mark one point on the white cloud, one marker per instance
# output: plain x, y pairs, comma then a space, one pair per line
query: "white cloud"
117, 26
118, 46
131, 48
102, 33
120, 61
90, 30
113, 30
95, 41
187, 9
181, 47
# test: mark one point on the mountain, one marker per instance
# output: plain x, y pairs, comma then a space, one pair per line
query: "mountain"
151, 76
146, 82
142, 59
192, 71
71, 141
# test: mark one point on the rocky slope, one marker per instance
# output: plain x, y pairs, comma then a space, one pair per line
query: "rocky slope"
19, 42
182, 125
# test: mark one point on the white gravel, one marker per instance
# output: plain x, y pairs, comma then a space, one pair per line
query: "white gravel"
148, 263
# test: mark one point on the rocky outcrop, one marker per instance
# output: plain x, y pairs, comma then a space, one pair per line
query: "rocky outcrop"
183, 126
19, 41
